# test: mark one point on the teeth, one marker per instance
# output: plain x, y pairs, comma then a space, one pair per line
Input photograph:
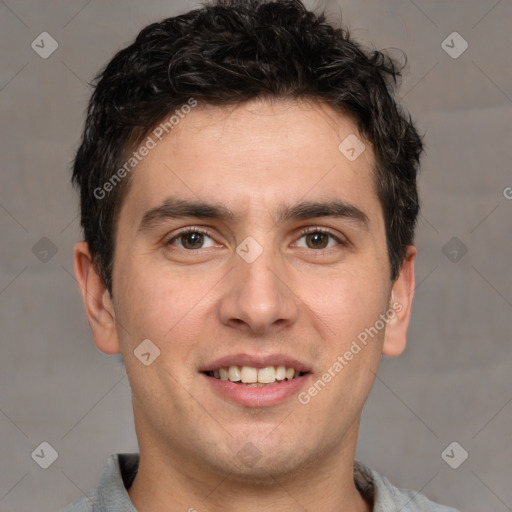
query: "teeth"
255, 377
249, 375
234, 374
267, 375
280, 373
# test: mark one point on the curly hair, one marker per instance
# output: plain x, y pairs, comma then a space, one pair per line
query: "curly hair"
228, 52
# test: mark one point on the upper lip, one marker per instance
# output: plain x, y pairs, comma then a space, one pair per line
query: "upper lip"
256, 361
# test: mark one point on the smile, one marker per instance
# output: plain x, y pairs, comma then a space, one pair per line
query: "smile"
255, 377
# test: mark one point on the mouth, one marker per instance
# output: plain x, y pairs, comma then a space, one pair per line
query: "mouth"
251, 376
256, 380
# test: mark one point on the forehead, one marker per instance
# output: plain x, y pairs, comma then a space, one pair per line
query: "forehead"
261, 155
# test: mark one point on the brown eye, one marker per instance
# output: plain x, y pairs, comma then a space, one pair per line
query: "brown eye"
319, 239
191, 239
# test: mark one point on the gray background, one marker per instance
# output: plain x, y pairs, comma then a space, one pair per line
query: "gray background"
453, 383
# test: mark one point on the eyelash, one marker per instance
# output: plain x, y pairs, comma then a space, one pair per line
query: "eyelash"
304, 231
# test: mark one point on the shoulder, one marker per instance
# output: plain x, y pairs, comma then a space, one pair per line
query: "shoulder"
111, 494
388, 497
83, 504
88, 502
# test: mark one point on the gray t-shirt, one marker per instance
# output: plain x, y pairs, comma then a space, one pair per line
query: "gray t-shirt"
120, 471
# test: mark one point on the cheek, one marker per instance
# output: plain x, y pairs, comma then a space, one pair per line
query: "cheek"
345, 311
159, 306
345, 304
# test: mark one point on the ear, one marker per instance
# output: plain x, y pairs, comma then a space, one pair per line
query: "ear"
399, 310
97, 301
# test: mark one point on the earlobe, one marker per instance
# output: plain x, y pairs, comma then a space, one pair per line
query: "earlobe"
399, 311
98, 304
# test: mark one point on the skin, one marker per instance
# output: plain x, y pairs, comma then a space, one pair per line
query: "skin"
295, 299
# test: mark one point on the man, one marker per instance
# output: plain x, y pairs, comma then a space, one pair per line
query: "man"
248, 198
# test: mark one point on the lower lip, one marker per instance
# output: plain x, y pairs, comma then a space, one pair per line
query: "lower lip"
263, 396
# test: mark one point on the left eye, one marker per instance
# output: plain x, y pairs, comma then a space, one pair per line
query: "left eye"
319, 239
192, 239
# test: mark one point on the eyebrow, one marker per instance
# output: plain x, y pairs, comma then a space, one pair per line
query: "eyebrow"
177, 208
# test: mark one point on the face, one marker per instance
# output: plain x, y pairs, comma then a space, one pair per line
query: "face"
250, 247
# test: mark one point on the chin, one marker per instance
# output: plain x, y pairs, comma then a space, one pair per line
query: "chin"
262, 466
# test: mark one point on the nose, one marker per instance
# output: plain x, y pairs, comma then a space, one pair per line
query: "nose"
258, 296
